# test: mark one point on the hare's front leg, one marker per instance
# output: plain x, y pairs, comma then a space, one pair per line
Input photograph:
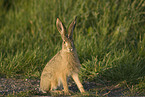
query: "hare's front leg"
77, 81
64, 82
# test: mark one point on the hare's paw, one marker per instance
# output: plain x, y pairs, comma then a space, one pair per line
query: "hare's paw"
56, 92
43, 91
68, 92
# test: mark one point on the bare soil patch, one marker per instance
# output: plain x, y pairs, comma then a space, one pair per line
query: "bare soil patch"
13, 86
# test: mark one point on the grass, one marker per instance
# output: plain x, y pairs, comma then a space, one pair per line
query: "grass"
109, 38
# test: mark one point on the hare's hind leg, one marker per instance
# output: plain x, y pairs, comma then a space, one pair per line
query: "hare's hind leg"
44, 85
77, 81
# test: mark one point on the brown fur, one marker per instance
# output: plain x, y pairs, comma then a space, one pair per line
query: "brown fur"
65, 63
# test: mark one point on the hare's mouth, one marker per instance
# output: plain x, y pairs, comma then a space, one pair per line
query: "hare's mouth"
69, 50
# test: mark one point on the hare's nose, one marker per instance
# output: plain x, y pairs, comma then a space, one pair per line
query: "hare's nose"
71, 49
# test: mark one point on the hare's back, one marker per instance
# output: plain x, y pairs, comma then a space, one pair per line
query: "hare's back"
54, 63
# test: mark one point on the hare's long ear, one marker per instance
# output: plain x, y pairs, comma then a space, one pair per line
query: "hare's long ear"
61, 28
71, 28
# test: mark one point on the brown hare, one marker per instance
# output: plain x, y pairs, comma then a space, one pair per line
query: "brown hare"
64, 64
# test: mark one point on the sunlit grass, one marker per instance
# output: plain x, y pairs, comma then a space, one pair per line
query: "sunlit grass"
109, 37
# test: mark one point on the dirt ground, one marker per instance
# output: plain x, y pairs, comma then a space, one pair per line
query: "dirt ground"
12, 86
